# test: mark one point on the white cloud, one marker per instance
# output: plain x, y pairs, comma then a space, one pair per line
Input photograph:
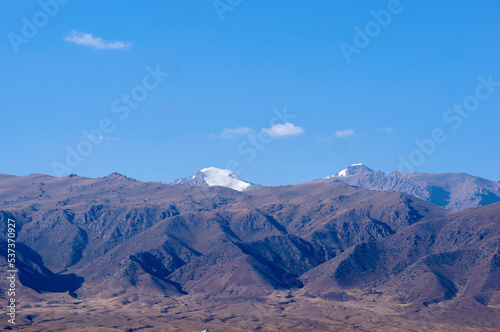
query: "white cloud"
344, 133
281, 130
278, 130
229, 133
86, 39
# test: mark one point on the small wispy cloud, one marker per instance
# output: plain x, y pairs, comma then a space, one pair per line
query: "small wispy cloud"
344, 133
276, 131
230, 133
282, 130
387, 130
87, 39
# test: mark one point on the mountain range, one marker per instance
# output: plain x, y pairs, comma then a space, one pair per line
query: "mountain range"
453, 191
318, 256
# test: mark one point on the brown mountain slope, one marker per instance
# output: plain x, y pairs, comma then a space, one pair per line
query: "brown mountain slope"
432, 261
117, 239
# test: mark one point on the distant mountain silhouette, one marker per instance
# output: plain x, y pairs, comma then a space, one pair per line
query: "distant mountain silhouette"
453, 191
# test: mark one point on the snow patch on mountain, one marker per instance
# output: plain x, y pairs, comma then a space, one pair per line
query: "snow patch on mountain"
351, 170
213, 176
342, 172
222, 177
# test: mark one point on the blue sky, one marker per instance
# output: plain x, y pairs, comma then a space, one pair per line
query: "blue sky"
225, 69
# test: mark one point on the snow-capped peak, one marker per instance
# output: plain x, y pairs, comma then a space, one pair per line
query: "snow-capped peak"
213, 176
351, 170
225, 178
342, 172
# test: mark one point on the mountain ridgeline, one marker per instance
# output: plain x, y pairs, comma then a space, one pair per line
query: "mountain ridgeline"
450, 190
453, 191
108, 237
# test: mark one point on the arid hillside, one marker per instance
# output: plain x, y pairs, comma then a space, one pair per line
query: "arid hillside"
118, 253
